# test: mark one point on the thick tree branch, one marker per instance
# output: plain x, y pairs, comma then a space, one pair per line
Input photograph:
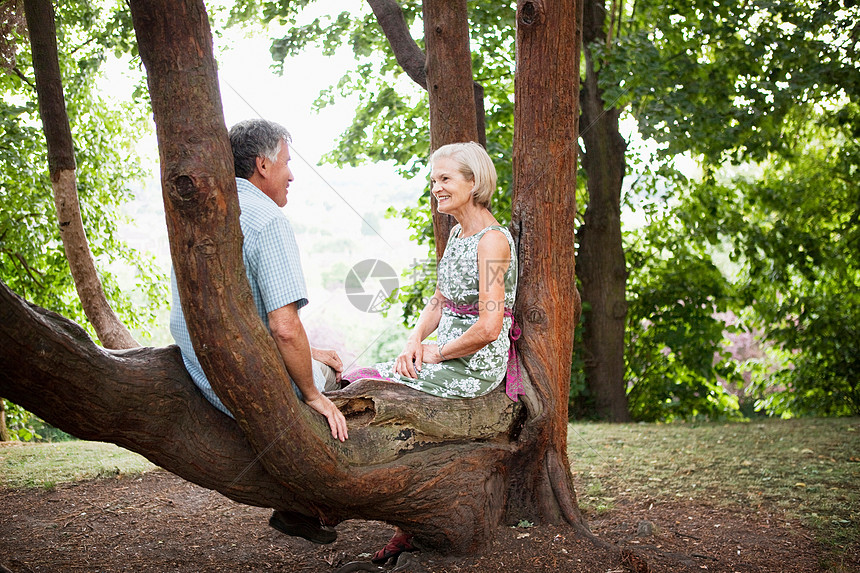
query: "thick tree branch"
407, 52
61, 164
140, 399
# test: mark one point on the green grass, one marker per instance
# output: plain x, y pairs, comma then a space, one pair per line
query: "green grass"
46, 465
808, 468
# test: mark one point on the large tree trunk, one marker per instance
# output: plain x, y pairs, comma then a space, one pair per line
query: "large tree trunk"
543, 220
602, 268
61, 164
453, 118
449, 471
448, 65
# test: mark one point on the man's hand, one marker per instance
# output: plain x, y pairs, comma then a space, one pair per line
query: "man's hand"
335, 418
329, 358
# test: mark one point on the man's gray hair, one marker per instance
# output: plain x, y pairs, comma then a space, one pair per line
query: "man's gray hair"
255, 138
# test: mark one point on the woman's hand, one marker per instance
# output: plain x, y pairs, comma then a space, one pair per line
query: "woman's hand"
409, 362
431, 354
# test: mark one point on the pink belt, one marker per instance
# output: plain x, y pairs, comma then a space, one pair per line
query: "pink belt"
514, 378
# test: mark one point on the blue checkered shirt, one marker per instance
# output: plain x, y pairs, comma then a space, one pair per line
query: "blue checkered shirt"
274, 270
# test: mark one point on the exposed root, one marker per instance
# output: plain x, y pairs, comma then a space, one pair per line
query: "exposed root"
565, 497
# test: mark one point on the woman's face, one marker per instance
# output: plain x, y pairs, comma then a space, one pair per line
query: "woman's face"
452, 190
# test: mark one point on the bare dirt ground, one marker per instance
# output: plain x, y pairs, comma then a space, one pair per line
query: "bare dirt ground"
157, 522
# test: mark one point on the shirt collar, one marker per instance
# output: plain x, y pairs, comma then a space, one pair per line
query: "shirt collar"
243, 185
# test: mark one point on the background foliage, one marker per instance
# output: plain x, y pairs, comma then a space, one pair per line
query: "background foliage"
32, 259
793, 229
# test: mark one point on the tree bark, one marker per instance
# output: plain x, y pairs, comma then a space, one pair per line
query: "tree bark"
602, 266
61, 164
453, 117
543, 218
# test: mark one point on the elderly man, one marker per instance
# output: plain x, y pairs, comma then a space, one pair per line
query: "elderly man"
261, 157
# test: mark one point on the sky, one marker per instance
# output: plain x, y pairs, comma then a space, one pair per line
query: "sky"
338, 214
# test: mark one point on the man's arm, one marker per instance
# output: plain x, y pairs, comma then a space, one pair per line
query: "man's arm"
292, 342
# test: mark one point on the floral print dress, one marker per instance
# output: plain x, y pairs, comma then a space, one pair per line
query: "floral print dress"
457, 278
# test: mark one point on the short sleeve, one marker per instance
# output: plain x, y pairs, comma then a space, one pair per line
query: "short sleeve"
274, 266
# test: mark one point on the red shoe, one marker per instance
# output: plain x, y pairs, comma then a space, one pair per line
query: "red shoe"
396, 545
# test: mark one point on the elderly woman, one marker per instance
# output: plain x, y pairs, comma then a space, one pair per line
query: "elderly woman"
471, 308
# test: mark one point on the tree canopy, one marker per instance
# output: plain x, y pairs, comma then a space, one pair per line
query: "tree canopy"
794, 230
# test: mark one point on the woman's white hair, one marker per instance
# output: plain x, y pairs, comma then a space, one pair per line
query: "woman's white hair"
474, 164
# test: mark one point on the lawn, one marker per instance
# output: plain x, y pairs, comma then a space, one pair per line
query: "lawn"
806, 469
46, 465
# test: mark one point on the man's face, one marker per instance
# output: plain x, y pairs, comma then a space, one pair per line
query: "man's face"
278, 176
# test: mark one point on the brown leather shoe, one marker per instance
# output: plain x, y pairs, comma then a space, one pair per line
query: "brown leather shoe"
300, 525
